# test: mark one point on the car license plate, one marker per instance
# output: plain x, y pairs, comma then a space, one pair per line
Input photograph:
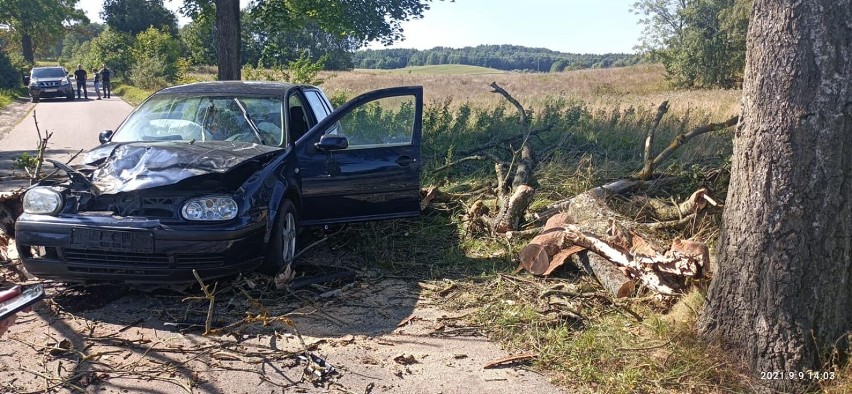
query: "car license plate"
51, 90
118, 241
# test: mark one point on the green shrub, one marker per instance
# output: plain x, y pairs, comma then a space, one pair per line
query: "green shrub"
149, 73
155, 44
303, 70
10, 76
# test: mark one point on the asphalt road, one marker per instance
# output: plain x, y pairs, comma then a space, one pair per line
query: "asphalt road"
75, 125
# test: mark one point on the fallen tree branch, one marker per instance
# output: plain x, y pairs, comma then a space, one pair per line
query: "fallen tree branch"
648, 167
42, 146
522, 113
681, 139
460, 161
635, 269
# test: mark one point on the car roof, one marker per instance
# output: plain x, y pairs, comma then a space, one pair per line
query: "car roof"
46, 67
233, 87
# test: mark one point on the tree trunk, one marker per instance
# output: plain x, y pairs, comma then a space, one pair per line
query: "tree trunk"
27, 47
228, 40
782, 296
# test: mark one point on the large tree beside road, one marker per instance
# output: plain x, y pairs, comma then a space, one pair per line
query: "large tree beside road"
362, 20
34, 21
783, 295
136, 16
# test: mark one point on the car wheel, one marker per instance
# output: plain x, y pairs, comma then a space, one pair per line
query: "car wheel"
35, 99
69, 98
283, 241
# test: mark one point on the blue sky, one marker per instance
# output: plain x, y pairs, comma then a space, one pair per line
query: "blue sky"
578, 26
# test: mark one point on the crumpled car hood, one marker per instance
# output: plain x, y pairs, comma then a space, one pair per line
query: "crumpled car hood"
122, 167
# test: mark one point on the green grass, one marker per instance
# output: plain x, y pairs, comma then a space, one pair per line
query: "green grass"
7, 96
609, 351
443, 69
131, 94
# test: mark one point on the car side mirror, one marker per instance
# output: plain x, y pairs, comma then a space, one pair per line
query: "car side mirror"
26, 80
330, 142
104, 136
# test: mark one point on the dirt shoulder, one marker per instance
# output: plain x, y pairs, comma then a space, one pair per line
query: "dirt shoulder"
13, 114
380, 334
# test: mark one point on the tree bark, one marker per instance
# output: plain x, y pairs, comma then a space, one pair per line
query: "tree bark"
782, 297
27, 47
228, 40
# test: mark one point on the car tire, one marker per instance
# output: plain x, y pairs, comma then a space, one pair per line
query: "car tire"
35, 99
69, 98
283, 242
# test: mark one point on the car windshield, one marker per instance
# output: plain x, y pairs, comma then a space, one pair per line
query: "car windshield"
48, 73
180, 117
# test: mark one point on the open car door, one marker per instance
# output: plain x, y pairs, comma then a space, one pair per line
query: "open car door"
362, 162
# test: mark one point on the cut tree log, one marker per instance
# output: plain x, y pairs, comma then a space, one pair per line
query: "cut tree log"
639, 268
550, 249
626, 257
614, 280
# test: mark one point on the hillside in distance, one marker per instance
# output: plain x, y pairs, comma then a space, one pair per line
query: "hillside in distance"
500, 57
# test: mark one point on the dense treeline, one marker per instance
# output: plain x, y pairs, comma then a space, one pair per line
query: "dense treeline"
501, 57
701, 43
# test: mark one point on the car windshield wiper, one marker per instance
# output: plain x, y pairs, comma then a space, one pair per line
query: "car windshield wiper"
250, 121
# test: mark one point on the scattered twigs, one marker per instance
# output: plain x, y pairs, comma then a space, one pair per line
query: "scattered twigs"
510, 360
209, 296
42, 146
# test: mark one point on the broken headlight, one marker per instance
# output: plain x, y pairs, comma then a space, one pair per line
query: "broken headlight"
42, 201
209, 208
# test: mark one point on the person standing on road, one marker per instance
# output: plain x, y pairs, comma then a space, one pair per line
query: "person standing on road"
80, 76
97, 77
105, 75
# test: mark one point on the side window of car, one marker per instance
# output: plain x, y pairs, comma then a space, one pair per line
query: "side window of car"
299, 124
383, 122
317, 104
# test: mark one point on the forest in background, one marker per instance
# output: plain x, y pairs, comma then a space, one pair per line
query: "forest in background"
500, 57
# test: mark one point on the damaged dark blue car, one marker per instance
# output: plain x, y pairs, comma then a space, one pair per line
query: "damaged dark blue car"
219, 177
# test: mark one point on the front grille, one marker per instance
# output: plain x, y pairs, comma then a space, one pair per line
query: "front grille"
156, 207
48, 84
199, 260
107, 260
97, 258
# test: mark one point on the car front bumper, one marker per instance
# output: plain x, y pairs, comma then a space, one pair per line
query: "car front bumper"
136, 250
58, 91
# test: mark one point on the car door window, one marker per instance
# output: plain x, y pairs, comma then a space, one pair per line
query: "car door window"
318, 105
383, 122
299, 124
